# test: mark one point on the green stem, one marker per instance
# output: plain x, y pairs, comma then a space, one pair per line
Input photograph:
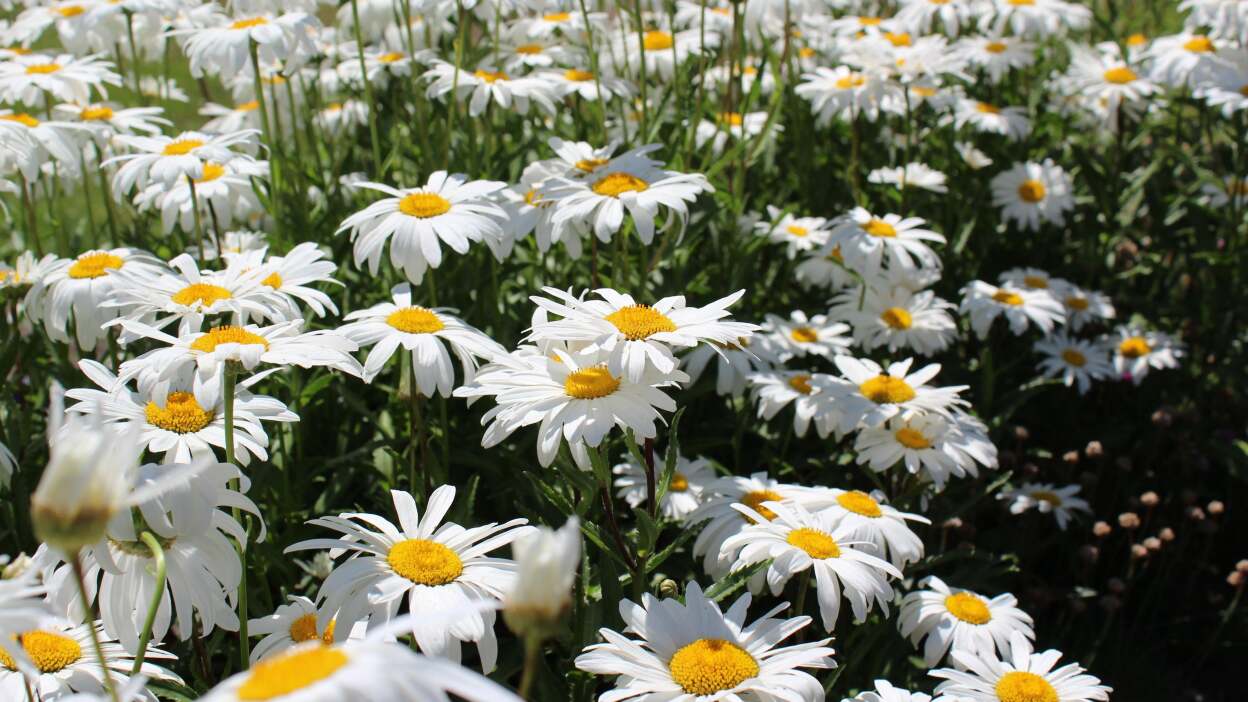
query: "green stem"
244, 648
368, 92
89, 620
158, 555
532, 661
274, 171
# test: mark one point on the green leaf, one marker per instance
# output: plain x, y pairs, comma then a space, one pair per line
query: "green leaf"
734, 581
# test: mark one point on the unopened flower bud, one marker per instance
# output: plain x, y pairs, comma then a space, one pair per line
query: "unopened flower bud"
1138, 551
546, 562
1166, 534
669, 588
1149, 499
1071, 457
1215, 507
1153, 544
1101, 529
1129, 520
1094, 449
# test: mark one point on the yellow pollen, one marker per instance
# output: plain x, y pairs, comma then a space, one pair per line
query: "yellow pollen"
94, 265
227, 335
490, 76
1019, 686
42, 68
249, 23
576, 75
275, 79
1031, 190
1137, 39
797, 231
1018, 3
898, 38
897, 318
879, 228
804, 335
304, 629
558, 17
707, 666
1199, 44
853, 80
722, 11
415, 320
49, 651
1120, 75
801, 383
181, 147
1074, 358
923, 91
859, 502
731, 118
21, 118
1077, 303
1047, 496
1134, 347
205, 294
69, 10
590, 383
836, 255
96, 113
614, 184
887, 390
987, 108
968, 607
212, 171
247, 106
424, 205
656, 40
870, 21
995, 47
679, 483
755, 499
391, 57
290, 672
273, 281
425, 562
912, 438
638, 322
181, 414
815, 543
589, 165
1006, 297
1036, 282
529, 49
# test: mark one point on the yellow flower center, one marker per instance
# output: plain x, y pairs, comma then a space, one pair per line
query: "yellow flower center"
1018, 3
995, 47
1047, 496
804, 335
69, 10
557, 17
801, 383
425, 562
1243, 90
1199, 45
1019, 686
806, 52
490, 76
590, 383
836, 255
797, 231
859, 502
912, 438
212, 171
181, 414
1120, 75
205, 294
290, 672
49, 651
679, 483
870, 21
529, 49
968, 607
1036, 282
249, 23
181, 147
96, 113
638, 322
923, 91
853, 80
1074, 358
898, 38
1006, 297
94, 265
589, 165
897, 318
1075, 302
1137, 39
42, 68
415, 320
755, 499
707, 666
577, 75
657, 40
304, 629
815, 543
248, 106
273, 281
391, 57
887, 390
227, 335
987, 108
424, 205
614, 184
1134, 347
731, 118
21, 118
879, 228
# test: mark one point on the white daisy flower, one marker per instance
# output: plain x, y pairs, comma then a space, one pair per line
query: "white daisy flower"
797, 540
972, 156
1021, 307
775, 390
870, 394
1107, 77
27, 79
22, 608
922, 16
1061, 502
684, 491
423, 332
879, 524
290, 276
636, 337
106, 120
734, 125
1184, 59
1137, 351
845, 93
996, 55
912, 175
587, 85
338, 118
295, 623
825, 268
1227, 87
734, 362
928, 444
80, 287
166, 160
796, 233
436, 567
448, 209
224, 192
31, 142
1036, 18
1076, 361
222, 49
1030, 193
486, 85
694, 651
898, 319
663, 51
961, 620
1085, 307
799, 336
986, 117
1017, 675
1232, 188
244, 115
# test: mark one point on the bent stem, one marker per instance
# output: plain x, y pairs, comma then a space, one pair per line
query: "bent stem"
532, 660
244, 648
158, 555
89, 619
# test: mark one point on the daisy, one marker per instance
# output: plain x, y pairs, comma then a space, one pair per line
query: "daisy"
844, 93
106, 120
1037, 18
1029, 193
338, 118
1076, 361
912, 175
1137, 351
289, 276
796, 233
799, 336
1106, 77
1047, 498
899, 319
65, 662
1231, 188
80, 286
1184, 59
22, 608
27, 79
972, 156
572, 396
436, 567
448, 208
881, 525
1227, 87
985, 117
1017, 675
486, 85
734, 362
374, 670
38, 141
224, 193
590, 87
921, 16
684, 491
825, 268
1085, 307
662, 50
425, 333
927, 444
1021, 307
293, 624
870, 394
961, 620
734, 125
223, 48
636, 337
796, 541
775, 390
997, 56
167, 160
517, 50
695, 651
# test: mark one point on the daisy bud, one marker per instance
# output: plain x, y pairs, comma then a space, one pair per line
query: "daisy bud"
1153, 544
15, 568
1021, 433
1129, 520
1195, 514
1242, 566
952, 523
669, 588
1162, 418
1138, 551
1166, 534
1149, 499
1071, 457
546, 562
1215, 507
1101, 529
1094, 449
1236, 579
